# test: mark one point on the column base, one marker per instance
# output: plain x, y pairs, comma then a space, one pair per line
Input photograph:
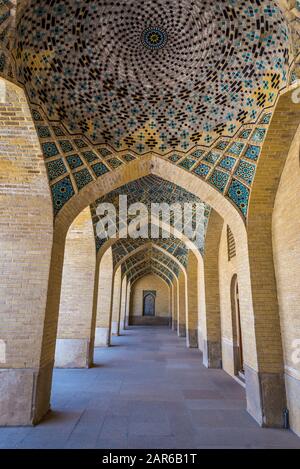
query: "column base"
102, 338
72, 353
24, 395
192, 339
181, 330
293, 392
115, 328
212, 354
266, 397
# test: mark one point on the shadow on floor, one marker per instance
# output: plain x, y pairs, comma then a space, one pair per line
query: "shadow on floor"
147, 391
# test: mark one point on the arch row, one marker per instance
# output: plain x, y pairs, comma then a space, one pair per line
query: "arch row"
30, 344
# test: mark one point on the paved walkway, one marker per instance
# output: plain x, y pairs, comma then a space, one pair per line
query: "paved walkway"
147, 391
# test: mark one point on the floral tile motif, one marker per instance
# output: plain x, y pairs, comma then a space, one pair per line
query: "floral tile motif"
82, 178
266, 118
174, 158
43, 131
239, 194
128, 157
100, 169
246, 171
202, 170
58, 131
236, 148
49, 149
80, 143
104, 152
56, 169
222, 145
219, 179
252, 152
74, 161
212, 157
227, 162
36, 115
90, 156
198, 153
66, 146
187, 163
62, 191
245, 134
259, 135
114, 162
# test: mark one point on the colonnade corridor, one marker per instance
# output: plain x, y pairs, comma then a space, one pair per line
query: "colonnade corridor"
149, 232
147, 391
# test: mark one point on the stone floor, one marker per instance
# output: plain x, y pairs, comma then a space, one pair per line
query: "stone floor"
147, 391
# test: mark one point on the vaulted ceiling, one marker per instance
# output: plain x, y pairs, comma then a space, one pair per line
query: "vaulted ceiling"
193, 81
150, 257
150, 190
158, 75
172, 246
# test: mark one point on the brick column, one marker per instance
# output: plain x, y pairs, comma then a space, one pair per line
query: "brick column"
265, 385
175, 303
123, 303
116, 301
26, 237
211, 321
128, 293
193, 301
104, 300
171, 303
75, 336
182, 314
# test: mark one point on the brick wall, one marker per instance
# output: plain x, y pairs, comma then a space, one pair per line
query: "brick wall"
286, 245
26, 227
227, 271
76, 305
116, 301
104, 290
150, 282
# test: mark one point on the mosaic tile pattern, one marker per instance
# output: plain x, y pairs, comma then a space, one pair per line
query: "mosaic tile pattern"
236, 148
239, 194
62, 191
150, 190
173, 246
56, 169
227, 163
205, 164
74, 161
43, 131
149, 270
151, 267
188, 113
82, 178
202, 170
147, 257
100, 169
259, 135
7, 36
49, 149
219, 179
252, 152
200, 88
246, 171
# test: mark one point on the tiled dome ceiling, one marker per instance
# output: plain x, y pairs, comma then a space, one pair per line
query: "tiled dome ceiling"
158, 75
